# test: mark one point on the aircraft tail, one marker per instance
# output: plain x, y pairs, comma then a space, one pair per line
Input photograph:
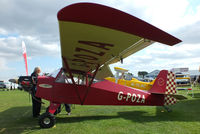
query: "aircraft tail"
165, 84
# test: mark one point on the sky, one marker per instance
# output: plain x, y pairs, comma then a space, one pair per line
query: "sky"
35, 22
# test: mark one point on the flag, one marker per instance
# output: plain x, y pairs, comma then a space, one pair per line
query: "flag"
25, 56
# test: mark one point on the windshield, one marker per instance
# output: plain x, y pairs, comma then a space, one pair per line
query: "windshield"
128, 76
1, 82
118, 75
54, 73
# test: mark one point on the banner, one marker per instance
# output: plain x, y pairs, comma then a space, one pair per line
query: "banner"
25, 56
179, 70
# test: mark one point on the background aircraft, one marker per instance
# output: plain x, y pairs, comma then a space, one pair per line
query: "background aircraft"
122, 77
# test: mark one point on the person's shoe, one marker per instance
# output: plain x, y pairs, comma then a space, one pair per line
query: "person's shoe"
68, 113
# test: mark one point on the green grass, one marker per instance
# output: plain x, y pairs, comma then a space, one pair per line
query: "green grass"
16, 118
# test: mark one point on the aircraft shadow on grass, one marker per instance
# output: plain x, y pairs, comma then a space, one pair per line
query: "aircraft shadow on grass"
183, 111
18, 119
84, 118
180, 112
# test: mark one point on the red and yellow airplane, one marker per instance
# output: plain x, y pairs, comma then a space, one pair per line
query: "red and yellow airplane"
93, 36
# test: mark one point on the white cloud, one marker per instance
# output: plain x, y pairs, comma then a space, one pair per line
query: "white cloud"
3, 31
35, 22
5, 69
158, 56
190, 34
168, 15
52, 47
3, 64
11, 54
11, 47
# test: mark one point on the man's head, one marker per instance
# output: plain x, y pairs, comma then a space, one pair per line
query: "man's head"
37, 70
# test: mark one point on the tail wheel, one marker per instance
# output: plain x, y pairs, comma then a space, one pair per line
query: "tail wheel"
167, 108
46, 120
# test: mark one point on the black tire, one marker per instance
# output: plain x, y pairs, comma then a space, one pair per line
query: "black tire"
169, 110
46, 120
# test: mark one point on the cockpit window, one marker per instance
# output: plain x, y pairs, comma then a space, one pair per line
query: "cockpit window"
54, 73
128, 76
62, 78
119, 75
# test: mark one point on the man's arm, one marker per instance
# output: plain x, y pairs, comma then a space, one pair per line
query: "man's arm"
33, 77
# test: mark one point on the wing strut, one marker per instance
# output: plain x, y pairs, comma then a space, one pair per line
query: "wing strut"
90, 83
72, 78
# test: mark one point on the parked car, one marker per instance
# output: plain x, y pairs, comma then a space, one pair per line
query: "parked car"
2, 84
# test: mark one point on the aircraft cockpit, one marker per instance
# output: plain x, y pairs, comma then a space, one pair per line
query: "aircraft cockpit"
121, 74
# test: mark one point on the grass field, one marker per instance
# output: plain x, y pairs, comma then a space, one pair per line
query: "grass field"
15, 118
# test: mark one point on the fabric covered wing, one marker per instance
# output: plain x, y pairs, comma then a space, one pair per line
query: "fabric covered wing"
93, 34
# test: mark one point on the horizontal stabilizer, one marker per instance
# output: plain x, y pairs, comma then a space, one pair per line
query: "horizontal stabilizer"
177, 96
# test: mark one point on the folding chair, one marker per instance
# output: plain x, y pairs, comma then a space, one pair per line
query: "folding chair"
190, 89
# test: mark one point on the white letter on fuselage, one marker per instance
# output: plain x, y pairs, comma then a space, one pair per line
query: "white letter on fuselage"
138, 99
133, 98
120, 96
143, 99
128, 96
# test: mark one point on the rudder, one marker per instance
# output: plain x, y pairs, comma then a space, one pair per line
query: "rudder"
170, 89
165, 84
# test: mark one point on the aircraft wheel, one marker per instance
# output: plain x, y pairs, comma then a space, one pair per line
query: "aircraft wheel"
46, 120
168, 109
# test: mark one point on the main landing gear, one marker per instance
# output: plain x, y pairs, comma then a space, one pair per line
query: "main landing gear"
47, 120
